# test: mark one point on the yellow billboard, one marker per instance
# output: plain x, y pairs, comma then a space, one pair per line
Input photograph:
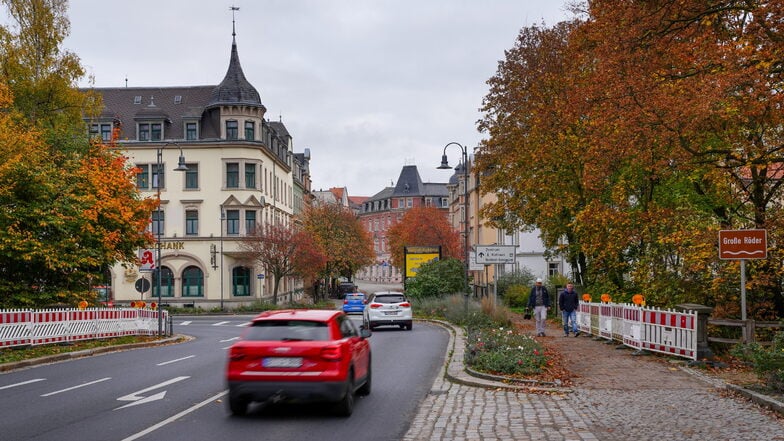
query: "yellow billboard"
416, 256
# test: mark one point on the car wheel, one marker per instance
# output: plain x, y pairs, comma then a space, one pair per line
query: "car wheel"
345, 407
409, 326
238, 405
365, 389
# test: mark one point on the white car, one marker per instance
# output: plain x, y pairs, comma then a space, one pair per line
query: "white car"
388, 308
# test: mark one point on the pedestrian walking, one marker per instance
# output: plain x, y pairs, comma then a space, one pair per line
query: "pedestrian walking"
568, 302
539, 301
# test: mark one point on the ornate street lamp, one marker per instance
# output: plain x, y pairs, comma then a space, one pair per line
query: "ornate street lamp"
158, 267
445, 165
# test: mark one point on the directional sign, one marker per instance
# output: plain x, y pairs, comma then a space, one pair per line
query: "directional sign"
743, 244
137, 397
489, 254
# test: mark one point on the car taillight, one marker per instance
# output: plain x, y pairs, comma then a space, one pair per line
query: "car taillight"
405, 305
345, 302
236, 354
375, 305
331, 353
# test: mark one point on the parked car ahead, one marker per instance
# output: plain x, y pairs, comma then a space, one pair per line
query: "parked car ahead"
354, 302
299, 355
388, 308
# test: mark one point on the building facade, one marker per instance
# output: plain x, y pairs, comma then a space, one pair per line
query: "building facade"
239, 173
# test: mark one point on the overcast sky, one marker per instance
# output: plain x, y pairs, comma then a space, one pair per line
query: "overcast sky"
367, 85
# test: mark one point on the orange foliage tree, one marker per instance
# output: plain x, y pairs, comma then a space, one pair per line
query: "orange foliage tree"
339, 234
282, 251
635, 132
423, 226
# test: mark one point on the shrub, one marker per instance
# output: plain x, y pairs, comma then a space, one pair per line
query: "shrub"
522, 277
768, 363
517, 296
437, 278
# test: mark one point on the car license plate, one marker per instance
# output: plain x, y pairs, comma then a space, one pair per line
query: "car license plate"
282, 362
390, 312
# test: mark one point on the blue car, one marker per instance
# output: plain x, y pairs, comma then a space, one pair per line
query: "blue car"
354, 302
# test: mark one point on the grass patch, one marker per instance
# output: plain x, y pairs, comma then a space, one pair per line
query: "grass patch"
21, 353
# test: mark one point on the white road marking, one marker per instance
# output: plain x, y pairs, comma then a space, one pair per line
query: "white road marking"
22, 383
242, 325
186, 323
229, 339
76, 387
174, 361
138, 399
220, 323
175, 417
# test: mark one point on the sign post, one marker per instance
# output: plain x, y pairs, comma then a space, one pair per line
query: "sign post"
742, 245
494, 255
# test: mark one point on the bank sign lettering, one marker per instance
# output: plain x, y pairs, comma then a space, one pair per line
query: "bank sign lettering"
743, 244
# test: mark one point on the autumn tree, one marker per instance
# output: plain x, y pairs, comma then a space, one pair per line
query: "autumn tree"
282, 251
423, 226
344, 241
68, 207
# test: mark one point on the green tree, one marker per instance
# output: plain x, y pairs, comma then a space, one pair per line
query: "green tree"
68, 207
437, 278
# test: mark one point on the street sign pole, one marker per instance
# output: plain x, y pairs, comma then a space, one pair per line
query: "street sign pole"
743, 289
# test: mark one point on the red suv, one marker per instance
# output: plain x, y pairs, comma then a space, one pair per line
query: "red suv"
299, 355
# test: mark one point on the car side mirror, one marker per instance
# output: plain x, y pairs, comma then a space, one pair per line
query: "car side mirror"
364, 332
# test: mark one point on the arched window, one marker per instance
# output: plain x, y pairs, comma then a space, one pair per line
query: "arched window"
167, 282
192, 282
240, 281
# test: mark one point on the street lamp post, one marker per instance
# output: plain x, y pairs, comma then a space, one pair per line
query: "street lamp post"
445, 165
158, 173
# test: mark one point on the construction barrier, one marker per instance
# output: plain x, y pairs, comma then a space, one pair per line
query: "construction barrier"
642, 328
38, 327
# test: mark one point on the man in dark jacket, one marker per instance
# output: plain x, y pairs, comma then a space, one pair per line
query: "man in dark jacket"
539, 301
568, 302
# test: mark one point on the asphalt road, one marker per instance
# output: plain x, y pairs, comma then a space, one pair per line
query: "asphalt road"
176, 392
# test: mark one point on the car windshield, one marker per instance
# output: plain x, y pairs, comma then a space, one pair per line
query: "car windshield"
355, 296
389, 298
287, 330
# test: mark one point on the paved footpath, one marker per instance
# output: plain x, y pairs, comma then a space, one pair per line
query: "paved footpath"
616, 396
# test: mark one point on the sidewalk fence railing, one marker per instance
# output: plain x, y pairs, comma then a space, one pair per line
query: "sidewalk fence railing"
37, 327
642, 328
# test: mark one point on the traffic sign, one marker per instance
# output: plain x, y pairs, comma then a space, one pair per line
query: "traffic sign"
489, 254
142, 285
743, 244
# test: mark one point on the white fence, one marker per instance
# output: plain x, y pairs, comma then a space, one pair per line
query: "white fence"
37, 327
666, 331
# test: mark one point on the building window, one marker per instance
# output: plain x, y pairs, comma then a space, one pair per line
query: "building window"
158, 223
143, 177
191, 131
232, 175
104, 131
250, 175
137, 99
191, 223
232, 222
250, 221
158, 176
401, 203
240, 281
192, 282
150, 132
409, 202
167, 282
250, 130
444, 202
553, 269
232, 130
192, 177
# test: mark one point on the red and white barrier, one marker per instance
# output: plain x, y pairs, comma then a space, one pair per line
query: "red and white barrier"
666, 331
37, 327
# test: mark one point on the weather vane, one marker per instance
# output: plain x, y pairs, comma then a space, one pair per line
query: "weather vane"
233, 9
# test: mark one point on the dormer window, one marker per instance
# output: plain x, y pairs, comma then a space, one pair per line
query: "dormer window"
177, 99
137, 99
232, 129
150, 131
102, 131
191, 131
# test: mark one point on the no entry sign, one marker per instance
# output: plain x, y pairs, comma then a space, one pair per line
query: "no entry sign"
743, 244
